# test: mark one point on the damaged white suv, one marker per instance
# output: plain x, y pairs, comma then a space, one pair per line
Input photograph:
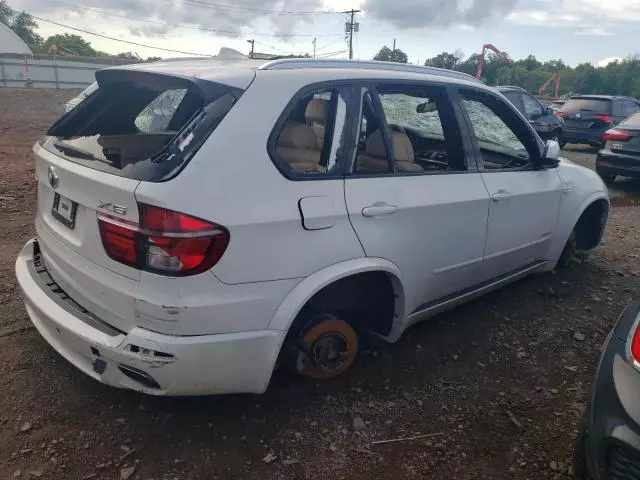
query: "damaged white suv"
200, 221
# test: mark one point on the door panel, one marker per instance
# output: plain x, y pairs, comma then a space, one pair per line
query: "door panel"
413, 198
522, 217
524, 201
435, 231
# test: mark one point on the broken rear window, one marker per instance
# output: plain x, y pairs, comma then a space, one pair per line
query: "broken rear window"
140, 125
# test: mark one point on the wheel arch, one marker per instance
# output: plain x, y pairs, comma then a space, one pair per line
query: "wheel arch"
300, 296
565, 227
591, 224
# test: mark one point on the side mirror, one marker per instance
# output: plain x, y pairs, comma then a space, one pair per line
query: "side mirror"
551, 156
549, 111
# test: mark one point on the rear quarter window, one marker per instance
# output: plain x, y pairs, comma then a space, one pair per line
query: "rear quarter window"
633, 121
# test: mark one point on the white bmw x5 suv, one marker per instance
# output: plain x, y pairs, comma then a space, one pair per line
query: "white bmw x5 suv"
281, 213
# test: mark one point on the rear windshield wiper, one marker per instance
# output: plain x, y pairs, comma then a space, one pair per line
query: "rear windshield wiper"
73, 151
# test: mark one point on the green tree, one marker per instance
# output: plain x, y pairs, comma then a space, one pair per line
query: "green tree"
387, 55
21, 23
444, 60
25, 27
530, 63
71, 44
6, 13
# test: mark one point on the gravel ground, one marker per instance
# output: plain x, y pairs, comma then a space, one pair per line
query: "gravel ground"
498, 385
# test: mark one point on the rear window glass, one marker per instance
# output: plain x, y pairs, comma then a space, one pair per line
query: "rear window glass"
588, 105
145, 129
632, 121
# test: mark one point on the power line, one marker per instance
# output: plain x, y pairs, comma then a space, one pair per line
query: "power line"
263, 11
331, 54
202, 29
118, 39
296, 52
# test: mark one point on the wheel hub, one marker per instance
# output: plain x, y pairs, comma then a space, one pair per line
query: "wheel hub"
330, 352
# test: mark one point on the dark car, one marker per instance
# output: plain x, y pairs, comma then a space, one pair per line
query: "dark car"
587, 117
542, 118
621, 152
608, 444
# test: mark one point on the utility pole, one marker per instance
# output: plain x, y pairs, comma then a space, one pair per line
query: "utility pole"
314, 47
351, 27
253, 45
394, 44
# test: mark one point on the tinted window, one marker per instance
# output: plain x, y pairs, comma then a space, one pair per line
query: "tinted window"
629, 107
499, 143
587, 105
312, 138
532, 108
633, 121
514, 97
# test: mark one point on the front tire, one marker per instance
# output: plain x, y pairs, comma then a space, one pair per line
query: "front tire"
568, 252
580, 467
558, 137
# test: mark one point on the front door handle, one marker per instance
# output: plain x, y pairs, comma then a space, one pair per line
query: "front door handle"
501, 196
379, 210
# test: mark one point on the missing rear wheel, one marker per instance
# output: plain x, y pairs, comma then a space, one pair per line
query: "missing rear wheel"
329, 347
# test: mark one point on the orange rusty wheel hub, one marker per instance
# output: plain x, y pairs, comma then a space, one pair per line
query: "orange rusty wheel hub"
332, 349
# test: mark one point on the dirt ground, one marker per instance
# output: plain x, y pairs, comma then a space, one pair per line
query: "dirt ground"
498, 384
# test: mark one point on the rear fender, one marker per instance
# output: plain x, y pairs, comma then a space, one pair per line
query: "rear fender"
305, 290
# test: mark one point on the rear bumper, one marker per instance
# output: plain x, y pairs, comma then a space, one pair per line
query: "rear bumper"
573, 135
139, 359
617, 163
610, 433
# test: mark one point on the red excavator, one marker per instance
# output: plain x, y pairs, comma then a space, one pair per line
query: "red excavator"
504, 56
556, 91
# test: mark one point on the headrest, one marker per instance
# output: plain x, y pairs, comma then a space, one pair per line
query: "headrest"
317, 110
402, 147
298, 135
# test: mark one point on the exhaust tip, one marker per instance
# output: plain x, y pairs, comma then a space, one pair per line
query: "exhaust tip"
139, 376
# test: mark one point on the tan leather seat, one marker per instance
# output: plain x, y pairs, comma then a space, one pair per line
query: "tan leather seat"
375, 157
316, 116
297, 146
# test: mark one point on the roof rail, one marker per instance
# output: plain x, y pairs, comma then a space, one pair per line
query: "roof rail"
512, 87
292, 63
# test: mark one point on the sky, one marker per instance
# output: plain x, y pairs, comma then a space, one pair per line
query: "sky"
575, 31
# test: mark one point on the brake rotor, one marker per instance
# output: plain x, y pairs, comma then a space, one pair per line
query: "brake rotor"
332, 349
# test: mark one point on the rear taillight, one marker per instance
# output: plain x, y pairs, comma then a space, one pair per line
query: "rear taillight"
615, 134
605, 118
164, 242
560, 114
635, 344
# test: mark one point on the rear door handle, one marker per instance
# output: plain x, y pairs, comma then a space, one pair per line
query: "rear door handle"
379, 210
501, 196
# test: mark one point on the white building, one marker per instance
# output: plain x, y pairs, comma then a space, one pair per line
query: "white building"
12, 43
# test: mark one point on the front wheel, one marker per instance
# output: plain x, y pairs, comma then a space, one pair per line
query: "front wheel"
568, 252
557, 137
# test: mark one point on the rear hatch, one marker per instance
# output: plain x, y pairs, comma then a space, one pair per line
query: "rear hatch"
589, 114
624, 139
138, 126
